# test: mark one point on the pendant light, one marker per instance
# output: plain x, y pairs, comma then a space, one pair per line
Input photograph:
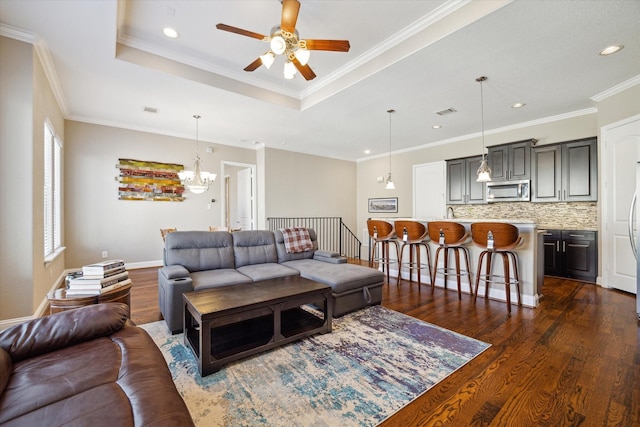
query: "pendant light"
196, 181
484, 172
390, 185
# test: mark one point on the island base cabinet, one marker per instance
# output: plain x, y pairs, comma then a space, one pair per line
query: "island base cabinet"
572, 254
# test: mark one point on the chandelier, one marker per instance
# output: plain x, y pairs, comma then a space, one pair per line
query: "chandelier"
196, 181
484, 172
284, 42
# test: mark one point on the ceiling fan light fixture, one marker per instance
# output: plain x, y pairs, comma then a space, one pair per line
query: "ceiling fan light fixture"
278, 45
302, 55
290, 70
268, 59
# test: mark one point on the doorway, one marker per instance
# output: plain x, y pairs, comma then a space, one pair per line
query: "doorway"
239, 204
428, 190
621, 142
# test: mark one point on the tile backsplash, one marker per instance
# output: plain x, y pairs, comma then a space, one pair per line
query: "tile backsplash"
567, 215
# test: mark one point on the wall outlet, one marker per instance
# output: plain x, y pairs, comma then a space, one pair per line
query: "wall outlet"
105, 254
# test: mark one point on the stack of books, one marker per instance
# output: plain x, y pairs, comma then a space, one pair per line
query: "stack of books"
99, 278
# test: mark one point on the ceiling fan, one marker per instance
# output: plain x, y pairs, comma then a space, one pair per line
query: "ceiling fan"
284, 39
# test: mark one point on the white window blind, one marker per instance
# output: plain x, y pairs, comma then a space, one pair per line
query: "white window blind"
52, 193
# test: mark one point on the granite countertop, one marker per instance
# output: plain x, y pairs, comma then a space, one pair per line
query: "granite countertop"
568, 227
509, 221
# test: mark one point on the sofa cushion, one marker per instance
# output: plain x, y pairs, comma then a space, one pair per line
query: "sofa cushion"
254, 247
283, 255
269, 270
216, 278
199, 250
49, 333
341, 277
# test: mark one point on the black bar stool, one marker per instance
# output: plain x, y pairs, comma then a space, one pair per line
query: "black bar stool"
450, 237
414, 235
497, 238
382, 235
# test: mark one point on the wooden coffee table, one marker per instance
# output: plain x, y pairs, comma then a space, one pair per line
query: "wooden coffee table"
232, 322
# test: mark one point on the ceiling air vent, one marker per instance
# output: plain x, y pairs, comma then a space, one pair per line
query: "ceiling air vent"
150, 110
445, 112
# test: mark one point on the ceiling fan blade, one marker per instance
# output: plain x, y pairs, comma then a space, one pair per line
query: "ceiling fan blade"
332, 45
290, 9
255, 64
305, 70
225, 27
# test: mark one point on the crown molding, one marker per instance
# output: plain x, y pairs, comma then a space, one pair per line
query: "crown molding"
633, 81
565, 116
17, 33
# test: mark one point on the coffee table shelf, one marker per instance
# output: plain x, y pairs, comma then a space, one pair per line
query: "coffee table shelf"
237, 321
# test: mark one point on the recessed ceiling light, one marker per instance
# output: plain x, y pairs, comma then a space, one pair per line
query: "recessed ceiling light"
367, 151
170, 32
518, 105
436, 126
609, 50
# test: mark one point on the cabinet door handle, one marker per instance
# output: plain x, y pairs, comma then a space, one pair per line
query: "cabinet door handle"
577, 245
558, 246
558, 194
564, 246
576, 235
564, 194
548, 234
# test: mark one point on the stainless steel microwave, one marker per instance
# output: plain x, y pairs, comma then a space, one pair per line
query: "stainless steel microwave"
509, 191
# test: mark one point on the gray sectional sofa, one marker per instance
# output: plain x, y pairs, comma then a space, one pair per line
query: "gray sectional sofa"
198, 260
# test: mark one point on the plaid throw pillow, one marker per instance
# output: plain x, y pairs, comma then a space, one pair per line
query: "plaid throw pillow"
296, 240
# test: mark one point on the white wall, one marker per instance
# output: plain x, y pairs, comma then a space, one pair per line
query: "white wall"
25, 100
97, 221
299, 185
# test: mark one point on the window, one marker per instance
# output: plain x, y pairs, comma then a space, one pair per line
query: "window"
52, 194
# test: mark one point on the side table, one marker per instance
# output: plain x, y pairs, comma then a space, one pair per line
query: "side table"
59, 301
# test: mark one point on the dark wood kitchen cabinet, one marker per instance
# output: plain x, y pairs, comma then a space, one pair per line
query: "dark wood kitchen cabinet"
462, 187
572, 254
565, 172
510, 161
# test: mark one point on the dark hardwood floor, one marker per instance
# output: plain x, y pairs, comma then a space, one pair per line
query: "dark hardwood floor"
574, 360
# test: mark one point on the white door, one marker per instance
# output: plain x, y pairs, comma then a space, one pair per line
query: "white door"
621, 144
428, 190
245, 199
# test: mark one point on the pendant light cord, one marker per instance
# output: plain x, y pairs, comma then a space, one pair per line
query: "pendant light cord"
389, 142
481, 80
197, 117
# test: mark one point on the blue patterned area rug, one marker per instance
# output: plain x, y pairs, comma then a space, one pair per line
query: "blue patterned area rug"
374, 363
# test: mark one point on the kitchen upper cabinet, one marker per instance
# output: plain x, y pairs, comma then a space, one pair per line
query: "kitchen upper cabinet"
565, 172
510, 162
462, 187
580, 171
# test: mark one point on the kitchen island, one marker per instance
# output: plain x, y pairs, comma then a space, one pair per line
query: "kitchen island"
530, 262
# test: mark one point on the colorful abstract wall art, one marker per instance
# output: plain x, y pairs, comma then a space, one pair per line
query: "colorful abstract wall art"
153, 181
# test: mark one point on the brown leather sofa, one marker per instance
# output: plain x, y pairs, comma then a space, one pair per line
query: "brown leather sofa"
86, 367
